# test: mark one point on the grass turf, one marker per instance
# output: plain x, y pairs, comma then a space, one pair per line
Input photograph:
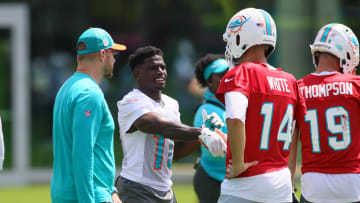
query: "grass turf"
41, 194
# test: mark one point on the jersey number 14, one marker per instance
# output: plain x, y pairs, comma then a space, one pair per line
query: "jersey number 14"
285, 130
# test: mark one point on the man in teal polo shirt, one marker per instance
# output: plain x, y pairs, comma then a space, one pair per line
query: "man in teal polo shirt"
83, 128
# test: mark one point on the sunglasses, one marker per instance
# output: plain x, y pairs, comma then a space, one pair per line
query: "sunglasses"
114, 52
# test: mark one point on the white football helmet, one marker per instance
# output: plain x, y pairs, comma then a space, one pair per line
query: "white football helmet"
247, 28
339, 40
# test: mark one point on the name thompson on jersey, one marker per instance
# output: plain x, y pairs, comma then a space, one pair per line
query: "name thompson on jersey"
327, 89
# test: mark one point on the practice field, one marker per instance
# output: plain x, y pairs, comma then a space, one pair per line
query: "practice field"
41, 194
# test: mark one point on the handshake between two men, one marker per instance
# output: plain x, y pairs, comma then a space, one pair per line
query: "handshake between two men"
211, 137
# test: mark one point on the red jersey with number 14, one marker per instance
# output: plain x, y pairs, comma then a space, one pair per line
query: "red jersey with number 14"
274, 103
330, 138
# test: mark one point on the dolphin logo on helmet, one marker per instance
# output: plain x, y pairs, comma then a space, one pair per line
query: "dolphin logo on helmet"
237, 23
247, 28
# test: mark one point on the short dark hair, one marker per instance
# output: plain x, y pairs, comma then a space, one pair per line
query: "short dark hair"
140, 54
202, 63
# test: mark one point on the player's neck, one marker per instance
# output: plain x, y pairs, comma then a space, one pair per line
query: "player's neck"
253, 59
321, 69
327, 63
155, 95
327, 66
92, 70
254, 54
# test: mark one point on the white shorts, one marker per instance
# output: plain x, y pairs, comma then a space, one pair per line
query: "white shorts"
269, 187
330, 188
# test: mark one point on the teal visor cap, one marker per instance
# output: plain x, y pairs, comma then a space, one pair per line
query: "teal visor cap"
217, 66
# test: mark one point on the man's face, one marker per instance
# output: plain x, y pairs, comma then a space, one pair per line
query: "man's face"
109, 63
214, 81
151, 75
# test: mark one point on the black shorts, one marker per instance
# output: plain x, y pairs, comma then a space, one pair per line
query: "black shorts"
133, 192
207, 188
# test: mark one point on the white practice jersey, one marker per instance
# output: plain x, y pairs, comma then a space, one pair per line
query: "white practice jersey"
2, 147
147, 157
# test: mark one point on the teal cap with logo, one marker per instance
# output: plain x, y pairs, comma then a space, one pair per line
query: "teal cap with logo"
96, 39
217, 66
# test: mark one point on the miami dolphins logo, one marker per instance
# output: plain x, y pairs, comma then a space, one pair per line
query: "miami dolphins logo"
237, 22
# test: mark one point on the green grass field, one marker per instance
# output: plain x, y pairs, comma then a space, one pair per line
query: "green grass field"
41, 194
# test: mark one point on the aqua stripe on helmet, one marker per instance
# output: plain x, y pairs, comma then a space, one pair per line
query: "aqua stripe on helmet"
326, 32
352, 38
267, 22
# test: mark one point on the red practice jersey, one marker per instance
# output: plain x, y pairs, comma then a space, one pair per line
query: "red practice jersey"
274, 102
330, 136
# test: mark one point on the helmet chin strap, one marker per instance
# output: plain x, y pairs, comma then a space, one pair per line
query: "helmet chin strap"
235, 62
232, 62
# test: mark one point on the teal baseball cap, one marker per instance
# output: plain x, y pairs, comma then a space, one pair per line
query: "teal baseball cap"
217, 66
96, 39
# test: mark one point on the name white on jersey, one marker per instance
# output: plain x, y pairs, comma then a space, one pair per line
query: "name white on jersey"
278, 84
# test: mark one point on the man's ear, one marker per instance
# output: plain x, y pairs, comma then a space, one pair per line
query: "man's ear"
102, 55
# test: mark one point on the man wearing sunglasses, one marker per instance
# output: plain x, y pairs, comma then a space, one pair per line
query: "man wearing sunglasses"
83, 128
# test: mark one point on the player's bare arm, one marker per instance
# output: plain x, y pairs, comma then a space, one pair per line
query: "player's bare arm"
292, 161
293, 154
237, 139
154, 123
184, 148
213, 122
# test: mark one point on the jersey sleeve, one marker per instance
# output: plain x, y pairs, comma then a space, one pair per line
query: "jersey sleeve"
236, 105
236, 80
88, 112
300, 107
130, 109
174, 106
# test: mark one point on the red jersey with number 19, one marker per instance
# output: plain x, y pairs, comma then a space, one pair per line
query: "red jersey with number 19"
331, 135
274, 102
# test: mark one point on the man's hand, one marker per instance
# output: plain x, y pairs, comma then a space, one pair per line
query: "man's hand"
213, 142
222, 135
212, 121
235, 170
115, 198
